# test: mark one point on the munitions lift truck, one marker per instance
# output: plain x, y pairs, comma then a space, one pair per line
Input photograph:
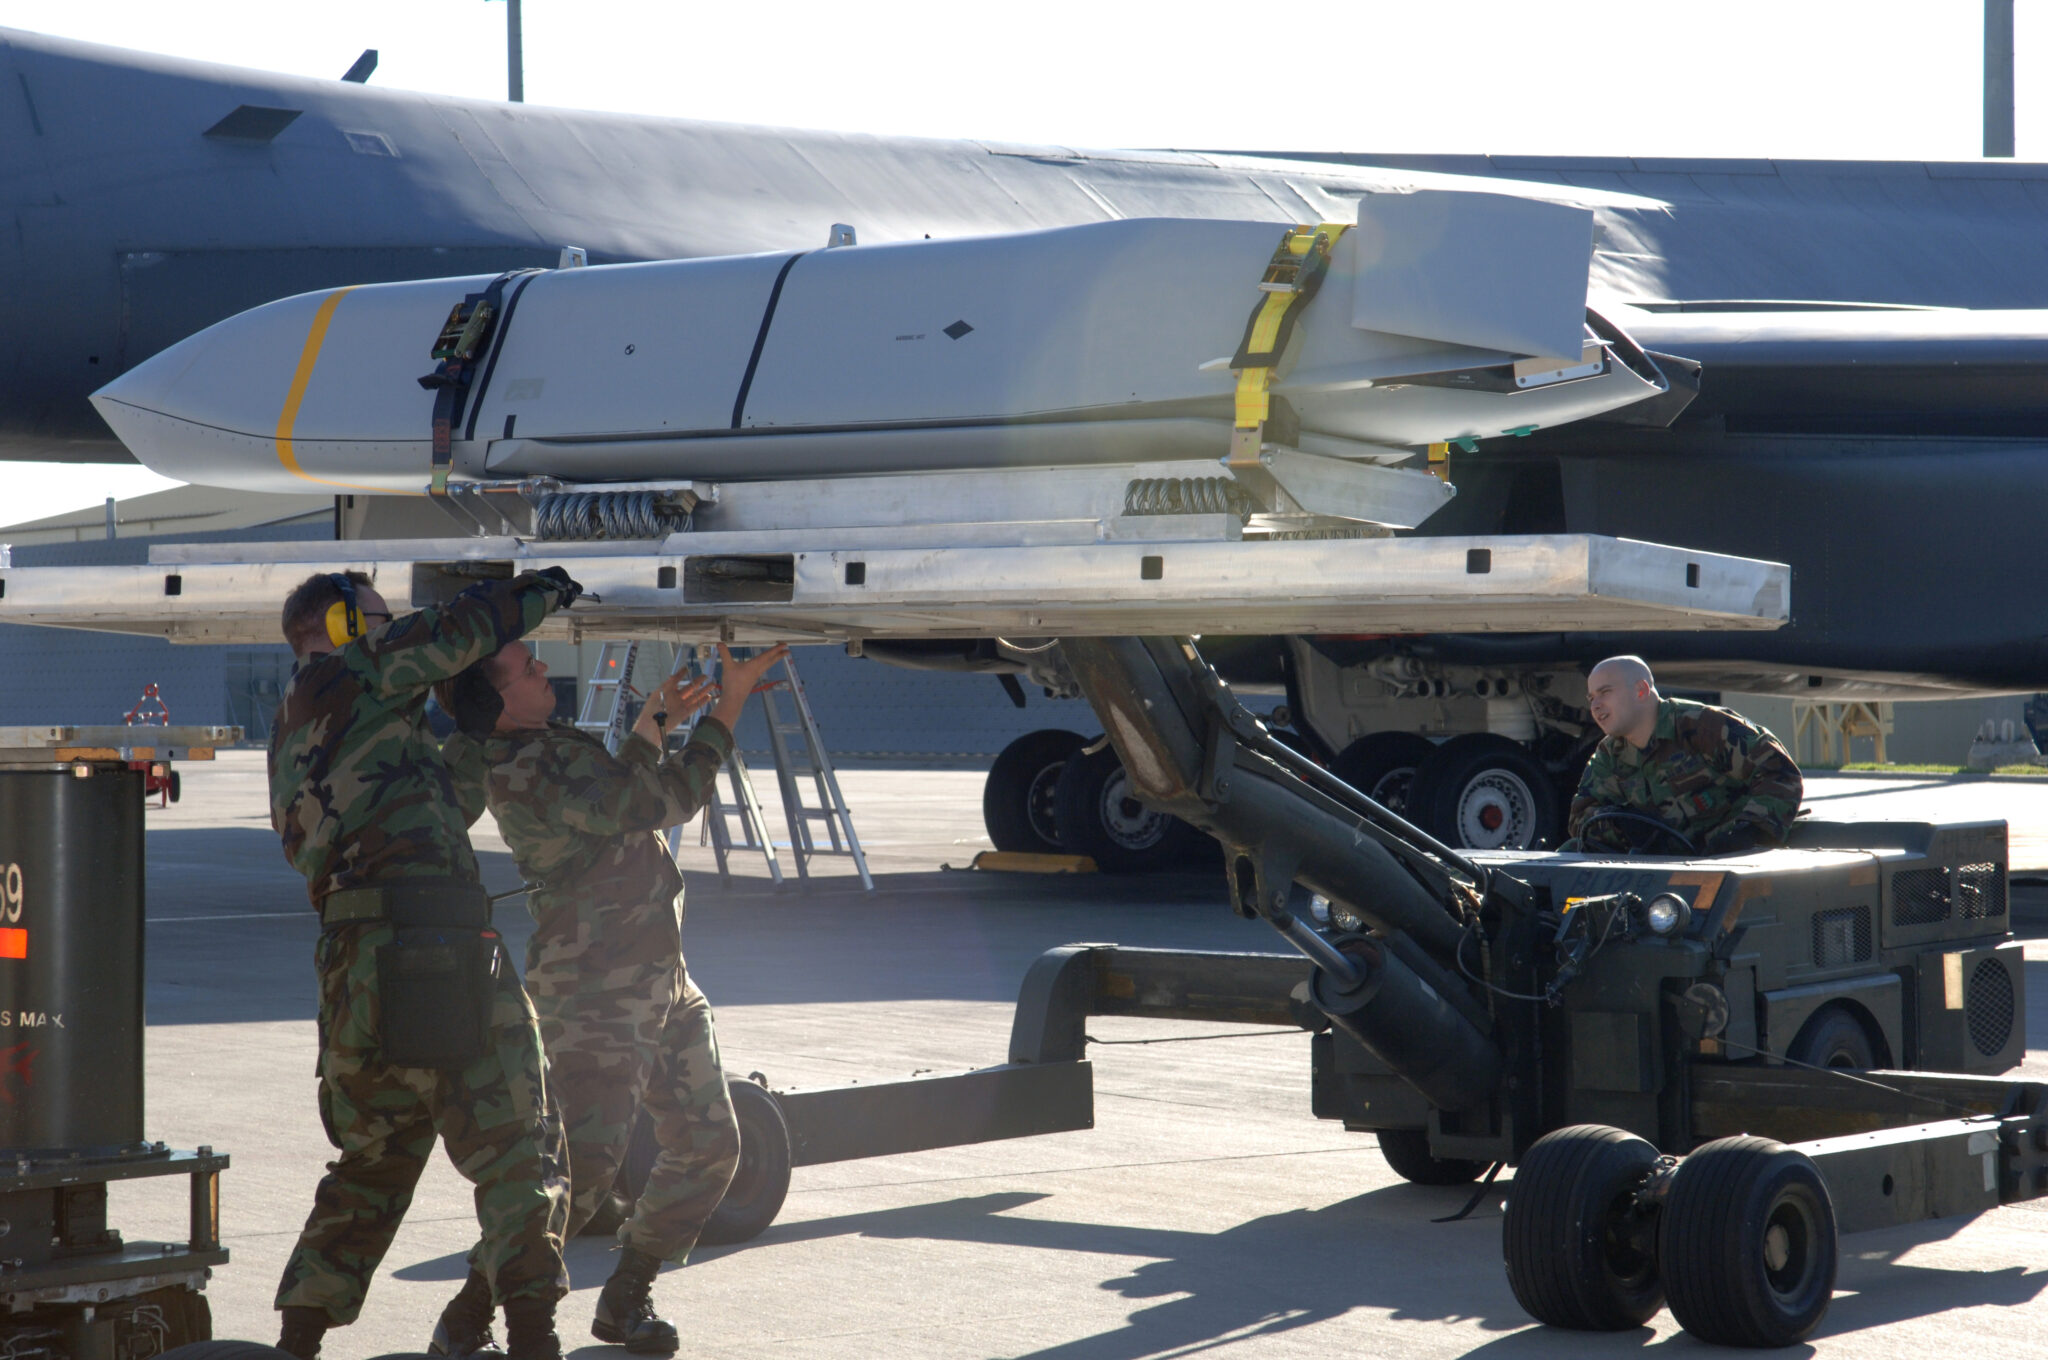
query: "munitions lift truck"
1662, 1046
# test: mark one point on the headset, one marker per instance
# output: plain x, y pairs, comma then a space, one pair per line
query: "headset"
345, 615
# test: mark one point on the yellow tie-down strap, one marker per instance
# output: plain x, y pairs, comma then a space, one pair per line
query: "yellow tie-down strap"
1292, 277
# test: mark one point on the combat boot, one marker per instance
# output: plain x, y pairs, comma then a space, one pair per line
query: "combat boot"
625, 1310
465, 1326
302, 1330
530, 1330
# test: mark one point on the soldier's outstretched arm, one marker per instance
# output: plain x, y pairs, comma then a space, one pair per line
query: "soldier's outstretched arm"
441, 641
600, 794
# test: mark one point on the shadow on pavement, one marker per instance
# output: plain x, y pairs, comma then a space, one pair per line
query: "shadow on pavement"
1375, 1251
231, 935
1270, 1275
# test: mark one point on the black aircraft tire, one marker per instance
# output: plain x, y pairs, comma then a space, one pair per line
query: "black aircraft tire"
1382, 766
761, 1181
1484, 792
225, 1350
1832, 1037
1572, 1259
1019, 799
1748, 1244
1099, 817
1407, 1152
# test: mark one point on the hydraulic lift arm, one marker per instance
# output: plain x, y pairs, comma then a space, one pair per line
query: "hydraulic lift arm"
1191, 749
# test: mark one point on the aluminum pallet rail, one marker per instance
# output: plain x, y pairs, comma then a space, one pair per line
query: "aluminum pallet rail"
758, 587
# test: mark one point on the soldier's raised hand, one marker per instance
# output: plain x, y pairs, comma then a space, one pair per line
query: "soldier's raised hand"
736, 680
671, 704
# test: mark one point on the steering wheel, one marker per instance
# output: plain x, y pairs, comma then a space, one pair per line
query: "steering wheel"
1614, 814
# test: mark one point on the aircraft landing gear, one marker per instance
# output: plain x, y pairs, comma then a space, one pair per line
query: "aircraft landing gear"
1100, 816
1484, 792
1018, 801
1382, 766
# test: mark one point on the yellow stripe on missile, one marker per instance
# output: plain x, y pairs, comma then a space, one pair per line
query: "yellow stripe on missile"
316, 336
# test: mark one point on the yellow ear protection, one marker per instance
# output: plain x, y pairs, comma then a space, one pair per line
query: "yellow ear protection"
344, 616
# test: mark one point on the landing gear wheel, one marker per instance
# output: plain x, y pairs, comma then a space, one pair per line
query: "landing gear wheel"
761, 1181
1581, 1252
1484, 792
1748, 1244
1100, 816
1382, 766
1833, 1037
1407, 1152
1018, 799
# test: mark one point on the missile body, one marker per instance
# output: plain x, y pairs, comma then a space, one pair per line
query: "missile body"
1096, 344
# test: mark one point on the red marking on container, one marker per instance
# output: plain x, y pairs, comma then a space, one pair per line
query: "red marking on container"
18, 1061
13, 942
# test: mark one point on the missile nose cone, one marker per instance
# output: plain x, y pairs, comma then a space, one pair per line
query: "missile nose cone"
310, 393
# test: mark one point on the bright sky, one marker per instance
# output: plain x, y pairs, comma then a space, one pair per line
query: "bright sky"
1849, 79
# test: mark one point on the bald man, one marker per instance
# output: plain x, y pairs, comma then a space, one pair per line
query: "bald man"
1705, 773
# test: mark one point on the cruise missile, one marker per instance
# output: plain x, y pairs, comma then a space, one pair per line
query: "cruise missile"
1437, 318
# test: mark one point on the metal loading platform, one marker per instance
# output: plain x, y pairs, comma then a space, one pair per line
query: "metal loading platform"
762, 587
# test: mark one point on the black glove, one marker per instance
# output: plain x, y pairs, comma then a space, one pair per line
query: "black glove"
1735, 838
1626, 829
477, 703
565, 585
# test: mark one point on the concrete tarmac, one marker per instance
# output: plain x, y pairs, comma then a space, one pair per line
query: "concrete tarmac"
1206, 1211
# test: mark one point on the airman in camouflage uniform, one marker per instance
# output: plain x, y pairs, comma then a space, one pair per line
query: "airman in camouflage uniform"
623, 1022
363, 802
1704, 772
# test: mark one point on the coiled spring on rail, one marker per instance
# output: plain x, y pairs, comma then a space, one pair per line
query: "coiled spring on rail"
608, 514
1187, 496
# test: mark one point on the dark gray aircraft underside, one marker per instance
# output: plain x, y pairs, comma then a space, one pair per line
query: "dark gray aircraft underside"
149, 197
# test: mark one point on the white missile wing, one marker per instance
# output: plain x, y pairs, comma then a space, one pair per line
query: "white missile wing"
1442, 317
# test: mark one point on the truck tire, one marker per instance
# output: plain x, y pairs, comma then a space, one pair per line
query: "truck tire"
1100, 817
1382, 766
1407, 1152
1833, 1037
761, 1181
1748, 1244
1484, 792
1018, 801
1579, 1252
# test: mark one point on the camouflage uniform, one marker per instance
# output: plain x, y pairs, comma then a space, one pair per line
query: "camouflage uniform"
1705, 770
361, 797
622, 1020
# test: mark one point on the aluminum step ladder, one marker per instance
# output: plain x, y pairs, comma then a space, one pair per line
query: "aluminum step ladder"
799, 752
604, 697
745, 803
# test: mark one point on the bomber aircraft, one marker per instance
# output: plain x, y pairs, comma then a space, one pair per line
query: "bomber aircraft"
1857, 408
